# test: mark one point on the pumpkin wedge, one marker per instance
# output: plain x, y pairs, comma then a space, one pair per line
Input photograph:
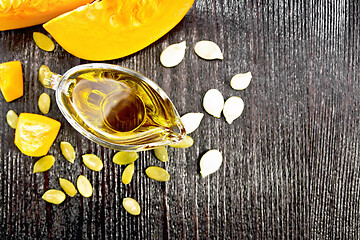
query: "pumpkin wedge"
111, 29
11, 80
25, 13
35, 134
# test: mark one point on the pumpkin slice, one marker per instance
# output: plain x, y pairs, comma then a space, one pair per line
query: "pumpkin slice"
112, 29
25, 13
35, 134
11, 80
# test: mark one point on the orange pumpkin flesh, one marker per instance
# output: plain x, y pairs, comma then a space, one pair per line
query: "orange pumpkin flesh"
25, 13
11, 80
35, 134
112, 29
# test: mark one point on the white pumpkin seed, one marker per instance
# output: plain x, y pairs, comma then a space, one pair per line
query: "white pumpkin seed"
93, 162
43, 41
208, 50
125, 158
84, 186
233, 108
54, 196
67, 151
68, 187
44, 164
210, 162
44, 103
185, 143
45, 75
161, 153
12, 118
131, 206
173, 54
157, 173
128, 173
213, 102
241, 81
191, 121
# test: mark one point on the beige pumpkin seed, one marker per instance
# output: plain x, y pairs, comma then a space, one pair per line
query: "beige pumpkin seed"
93, 162
45, 75
131, 206
43, 41
125, 158
185, 143
208, 50
157, 173
173, 54
191, 121
233, 108
161, 153
213, 102
241, 81
44, 164
44, 103
54, 196
68, 187
84, 186
67, 151
128, 174
210, 162
12, 118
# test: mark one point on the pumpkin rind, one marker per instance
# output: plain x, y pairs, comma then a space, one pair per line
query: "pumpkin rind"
112, 29
25, 13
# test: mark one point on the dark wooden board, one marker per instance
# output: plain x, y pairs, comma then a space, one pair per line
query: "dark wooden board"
291, 161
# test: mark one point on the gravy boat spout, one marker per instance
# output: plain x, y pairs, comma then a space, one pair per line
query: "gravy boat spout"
115, 107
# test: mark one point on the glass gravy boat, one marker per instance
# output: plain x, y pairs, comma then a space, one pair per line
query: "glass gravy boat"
115, 107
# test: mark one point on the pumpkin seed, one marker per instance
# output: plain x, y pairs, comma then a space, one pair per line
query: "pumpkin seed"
191, 121
125, 158
128, 174
157, 173
45, 75
173, 54
54, 196
208, 50
210, 162
44, 164
241, 81
161, 153
68, 187
11, 118
43, 41
84, 186
213, 102
131, 206
233, 108
114, 21
93, 162
187, 142
5, 6
44, 103
67, 151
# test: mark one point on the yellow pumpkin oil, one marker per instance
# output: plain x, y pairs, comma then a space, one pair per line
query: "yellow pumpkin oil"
119, 107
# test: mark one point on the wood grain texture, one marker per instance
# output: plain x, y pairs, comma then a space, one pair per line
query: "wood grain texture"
291, 161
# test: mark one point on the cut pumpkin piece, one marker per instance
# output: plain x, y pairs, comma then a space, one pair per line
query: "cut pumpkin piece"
112, 29
35, 134
11, 80
25, 13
